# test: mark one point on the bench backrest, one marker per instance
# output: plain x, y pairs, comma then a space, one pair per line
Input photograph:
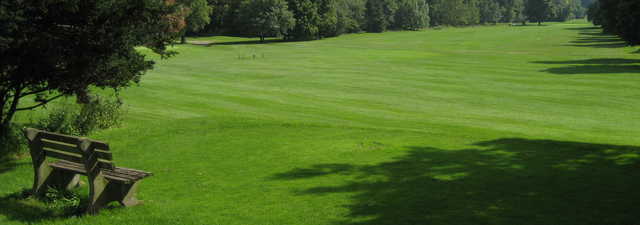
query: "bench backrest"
93, 154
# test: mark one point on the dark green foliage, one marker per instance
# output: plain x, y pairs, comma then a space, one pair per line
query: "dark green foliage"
538, 10
490, 11
454, 13
351, 16
226, 18
380, 14
307, 20
66, 201
328, 23
628, 26
412, 15
12, 143
99, 113
618, 17
513, 11
50, 49
267, 18
197, 15
316, 19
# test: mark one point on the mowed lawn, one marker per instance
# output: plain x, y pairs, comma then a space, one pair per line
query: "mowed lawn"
480, 125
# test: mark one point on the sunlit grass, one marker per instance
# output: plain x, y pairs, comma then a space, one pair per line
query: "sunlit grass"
481, 125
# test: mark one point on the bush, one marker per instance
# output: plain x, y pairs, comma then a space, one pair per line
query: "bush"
97, 114
11, 142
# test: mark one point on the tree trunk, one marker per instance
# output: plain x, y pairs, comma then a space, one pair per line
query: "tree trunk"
8, 116
539, 22
183, 39
3, 130
261, 38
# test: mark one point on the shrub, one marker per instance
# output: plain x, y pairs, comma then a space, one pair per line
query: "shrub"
97, 114
11, 142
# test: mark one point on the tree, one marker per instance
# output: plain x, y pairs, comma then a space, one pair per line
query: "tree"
538, 10
328, 23
412, 15
50, 49
267, 18
514, 11
453, 12
351, 16
380, 14
198, 15
307, 19
490, 11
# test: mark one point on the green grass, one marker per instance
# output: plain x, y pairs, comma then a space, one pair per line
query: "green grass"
480, 125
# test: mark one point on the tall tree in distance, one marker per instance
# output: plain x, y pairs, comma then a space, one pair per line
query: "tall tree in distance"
328, 23
380, 14
198, 14
490, 11
538, 10
267, 18
307, 19
412, 15
50, 49
514, 11
351, 16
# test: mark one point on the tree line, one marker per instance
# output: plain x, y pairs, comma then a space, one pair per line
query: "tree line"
316, 19
620, 17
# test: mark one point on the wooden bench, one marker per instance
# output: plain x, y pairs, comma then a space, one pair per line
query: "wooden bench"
81, 156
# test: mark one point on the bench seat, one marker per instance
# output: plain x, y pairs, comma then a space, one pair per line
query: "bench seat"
119, 174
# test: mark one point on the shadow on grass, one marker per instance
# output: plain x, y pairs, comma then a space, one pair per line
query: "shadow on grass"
594, 66
8, 164
251, 42
18, 207
594, 37
591, 69
504, 181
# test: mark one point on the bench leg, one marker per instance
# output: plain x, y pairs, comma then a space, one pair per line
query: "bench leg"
98, 195
127, 195
61, 179
102, 194
58, 179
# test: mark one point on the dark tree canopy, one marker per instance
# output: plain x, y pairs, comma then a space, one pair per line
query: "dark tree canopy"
620, 17
59, 48
267, 18
538, 10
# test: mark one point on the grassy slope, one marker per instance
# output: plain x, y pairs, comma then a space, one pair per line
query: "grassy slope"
482, 125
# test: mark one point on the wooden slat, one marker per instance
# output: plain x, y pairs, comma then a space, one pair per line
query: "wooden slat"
124, 180
100, 145
66, 165
103, 155
62, 155
59, 137
133, 170
106, 165
119, 174
60, 146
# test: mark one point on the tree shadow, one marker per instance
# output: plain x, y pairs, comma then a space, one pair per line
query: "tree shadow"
594, 66
503, 181
594, 69
608, 61
8, 164
249, 42
584, 28
18, 207
593, 37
